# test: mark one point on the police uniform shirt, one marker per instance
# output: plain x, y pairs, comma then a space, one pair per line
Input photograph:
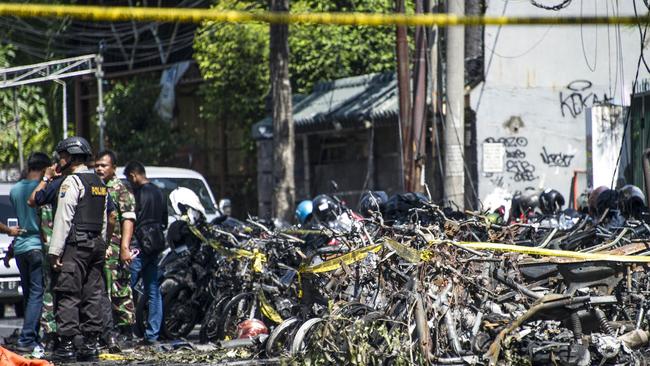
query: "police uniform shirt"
72, 190
50, 195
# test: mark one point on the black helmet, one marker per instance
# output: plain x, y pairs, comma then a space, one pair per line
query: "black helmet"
524, 204
372, 202
551, 201
325, 209
38, 160
528, 201
592, 202
607, 199
74, 145
632, 200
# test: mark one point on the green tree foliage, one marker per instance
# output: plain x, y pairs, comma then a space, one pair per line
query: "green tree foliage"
134, 129
238, 53
323, 53
33, 119
233, 59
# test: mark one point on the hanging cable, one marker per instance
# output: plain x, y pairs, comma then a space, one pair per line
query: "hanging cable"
582, 41
629, 109
557, 7
489, 65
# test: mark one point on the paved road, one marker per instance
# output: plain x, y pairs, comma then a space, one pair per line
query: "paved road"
10, 323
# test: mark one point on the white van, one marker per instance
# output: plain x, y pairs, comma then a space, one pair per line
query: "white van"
10, 290
169, 179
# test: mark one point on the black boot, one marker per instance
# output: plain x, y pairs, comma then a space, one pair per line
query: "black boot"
49, 342
125, 338
111, 343
65, 350
89, 350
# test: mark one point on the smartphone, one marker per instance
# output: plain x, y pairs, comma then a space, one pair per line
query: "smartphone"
12, 222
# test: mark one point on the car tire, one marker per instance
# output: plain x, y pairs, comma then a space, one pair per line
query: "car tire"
20, 311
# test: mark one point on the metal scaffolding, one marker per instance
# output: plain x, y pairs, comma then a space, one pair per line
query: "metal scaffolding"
56, 71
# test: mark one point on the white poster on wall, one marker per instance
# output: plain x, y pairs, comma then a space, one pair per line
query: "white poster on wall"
493, 153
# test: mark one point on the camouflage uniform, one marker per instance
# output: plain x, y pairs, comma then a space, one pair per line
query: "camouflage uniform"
118, 276
48, 321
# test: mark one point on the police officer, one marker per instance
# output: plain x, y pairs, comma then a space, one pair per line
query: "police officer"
45, 197
77, 252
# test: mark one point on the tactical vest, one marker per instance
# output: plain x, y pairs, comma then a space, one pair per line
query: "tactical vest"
91, 208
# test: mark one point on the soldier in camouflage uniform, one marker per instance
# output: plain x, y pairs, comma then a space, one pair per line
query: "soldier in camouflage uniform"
48, 321
118, 255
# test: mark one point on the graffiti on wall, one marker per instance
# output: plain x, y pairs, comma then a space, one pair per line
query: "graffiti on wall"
578, 96
517, 167
561, 160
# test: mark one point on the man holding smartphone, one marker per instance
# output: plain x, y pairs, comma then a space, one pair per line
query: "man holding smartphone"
28, 250
9, 230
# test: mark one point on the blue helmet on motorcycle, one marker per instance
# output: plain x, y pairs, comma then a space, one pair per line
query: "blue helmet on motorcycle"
304, 211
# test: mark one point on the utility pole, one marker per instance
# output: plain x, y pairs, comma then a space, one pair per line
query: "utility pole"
404, 99
100, 100
19, 135
435, 80
454, 180
283, 135
417, 140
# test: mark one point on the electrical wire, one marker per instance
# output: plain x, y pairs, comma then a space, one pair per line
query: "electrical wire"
582, 41
489, 65
609, 53
629, 109
43, 38
557, 7
529, 50
617, 53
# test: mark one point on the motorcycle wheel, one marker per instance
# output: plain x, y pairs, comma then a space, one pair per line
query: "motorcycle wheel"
179, 312
280, 338
239, 308
212, 318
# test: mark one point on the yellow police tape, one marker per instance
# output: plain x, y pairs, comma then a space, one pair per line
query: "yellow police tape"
551, 252
422, 255
111, 357
267, 309
124, 13
408, 254
415, 256
258, 257
348, 258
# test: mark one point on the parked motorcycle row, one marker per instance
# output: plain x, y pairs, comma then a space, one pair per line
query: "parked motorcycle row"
401, 280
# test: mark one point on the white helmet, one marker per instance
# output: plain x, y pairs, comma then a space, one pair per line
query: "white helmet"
189, 199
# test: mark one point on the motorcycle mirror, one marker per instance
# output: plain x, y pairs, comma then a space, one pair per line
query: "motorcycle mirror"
334, 186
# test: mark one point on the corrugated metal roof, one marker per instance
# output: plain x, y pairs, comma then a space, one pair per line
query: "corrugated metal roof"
342, 103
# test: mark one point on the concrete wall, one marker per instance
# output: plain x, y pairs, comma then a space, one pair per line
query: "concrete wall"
605, 127
538, 87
